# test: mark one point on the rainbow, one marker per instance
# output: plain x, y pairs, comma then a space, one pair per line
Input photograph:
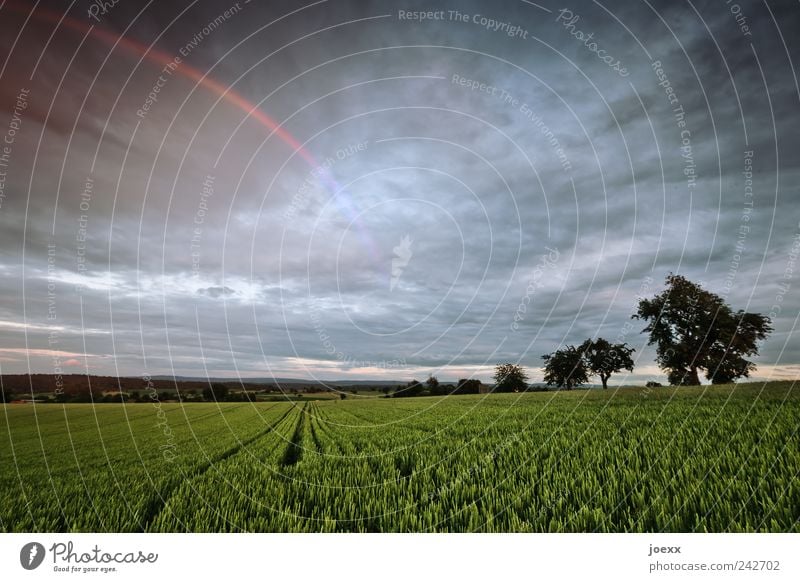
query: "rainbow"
228, 94
163, 59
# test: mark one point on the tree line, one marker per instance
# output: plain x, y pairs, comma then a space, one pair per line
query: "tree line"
693, 330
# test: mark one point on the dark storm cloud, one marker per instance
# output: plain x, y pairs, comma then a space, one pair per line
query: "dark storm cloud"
194, 241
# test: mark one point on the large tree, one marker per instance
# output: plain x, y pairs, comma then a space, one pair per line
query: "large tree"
565, 368
435, 388
468, 386
413, 388
604, 358
510, 378
694, 329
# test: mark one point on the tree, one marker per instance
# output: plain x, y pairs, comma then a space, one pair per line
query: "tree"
694, 329
510, 378
413, 388
604, 358
218, 392
468, 386
474, 386
434, 386
565, 368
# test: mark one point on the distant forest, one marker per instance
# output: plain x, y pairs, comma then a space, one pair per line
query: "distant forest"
74, 384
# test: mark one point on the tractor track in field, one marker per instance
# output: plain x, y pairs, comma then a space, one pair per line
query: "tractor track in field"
312, 422
158, 502
322, 431
294, 450
327, 445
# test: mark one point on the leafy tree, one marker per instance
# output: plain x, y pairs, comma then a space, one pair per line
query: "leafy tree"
653, 384
218, 392
434, 386
565, 368
510, 378
413, 388
604, 358
694, 329
468, 386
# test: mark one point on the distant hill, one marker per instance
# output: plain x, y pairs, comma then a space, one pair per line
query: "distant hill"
282, 381
82, 384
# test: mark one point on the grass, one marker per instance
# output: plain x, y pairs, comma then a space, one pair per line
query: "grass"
723, 458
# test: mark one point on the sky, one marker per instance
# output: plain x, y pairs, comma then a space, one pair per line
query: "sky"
386, 190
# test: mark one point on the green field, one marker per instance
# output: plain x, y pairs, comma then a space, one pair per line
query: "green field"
688, 459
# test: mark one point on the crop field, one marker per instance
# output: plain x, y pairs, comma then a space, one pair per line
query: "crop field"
688, 459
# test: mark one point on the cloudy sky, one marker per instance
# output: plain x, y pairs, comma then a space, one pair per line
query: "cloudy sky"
351, 189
